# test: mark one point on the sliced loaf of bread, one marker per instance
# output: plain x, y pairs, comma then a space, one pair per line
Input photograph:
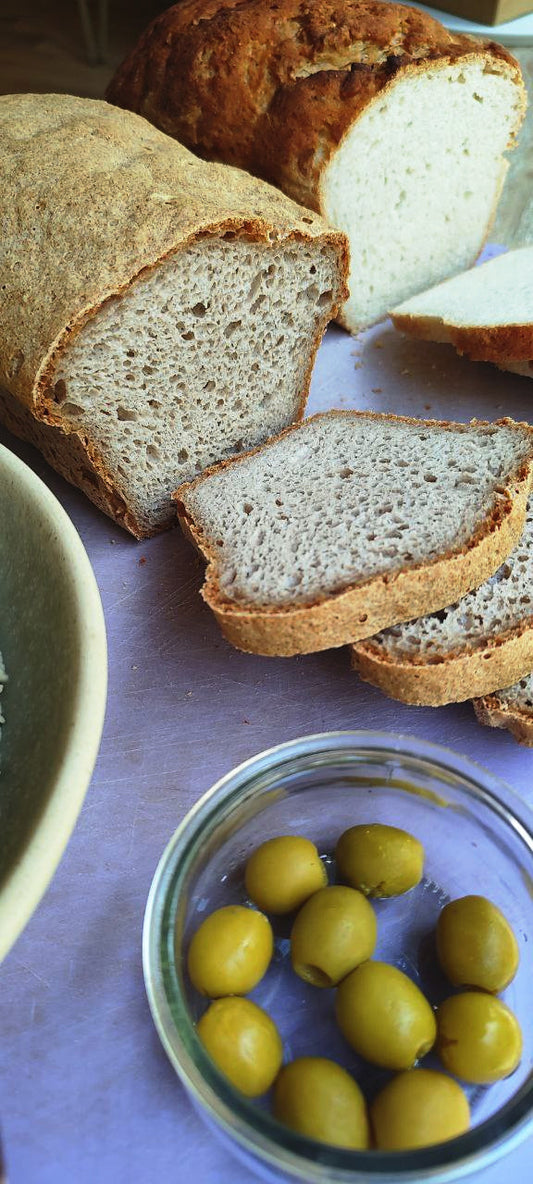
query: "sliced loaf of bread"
480, 643
373, 114
511, 709
157, 313
486, 313
346, 522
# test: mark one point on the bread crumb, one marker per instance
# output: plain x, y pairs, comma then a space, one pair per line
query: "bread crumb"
142, 560
378, 345
377, 390
427, 406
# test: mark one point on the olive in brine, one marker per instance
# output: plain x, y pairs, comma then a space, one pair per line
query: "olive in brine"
384, 1016
418, 1108
230, 952
479, 1038
476, 946
317, 1098
244, 1043
334, 931
283, 873
379, 860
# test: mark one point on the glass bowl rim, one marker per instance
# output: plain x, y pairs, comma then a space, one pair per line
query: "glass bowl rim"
290, 1153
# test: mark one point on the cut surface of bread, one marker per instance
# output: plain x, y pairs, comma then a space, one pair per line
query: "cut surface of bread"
480, 643
511, 708
486, 313
338, 523
373, 114
158, 313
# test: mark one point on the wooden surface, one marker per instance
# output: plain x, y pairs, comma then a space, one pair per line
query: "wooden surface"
42, 49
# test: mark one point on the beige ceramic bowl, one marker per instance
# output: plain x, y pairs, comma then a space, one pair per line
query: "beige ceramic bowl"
52, 637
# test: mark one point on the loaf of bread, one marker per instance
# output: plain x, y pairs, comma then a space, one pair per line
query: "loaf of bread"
351, 521
477, 645
511, 709
486, 312
157, 313
373, 114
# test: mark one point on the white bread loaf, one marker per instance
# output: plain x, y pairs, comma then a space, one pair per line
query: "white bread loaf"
486, 313
336, 527
157, 312
373, 114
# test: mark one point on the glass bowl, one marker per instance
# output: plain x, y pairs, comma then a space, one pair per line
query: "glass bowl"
478, 838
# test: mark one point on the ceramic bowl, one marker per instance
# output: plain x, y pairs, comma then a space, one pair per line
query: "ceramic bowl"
478, 838
52, 637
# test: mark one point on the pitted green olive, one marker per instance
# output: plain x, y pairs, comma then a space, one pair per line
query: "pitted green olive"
333, 932
479, 1038
418, 1108
243, 1042
317, 1098
283, 873
384, 1016
476, 945
230, 952
379, 860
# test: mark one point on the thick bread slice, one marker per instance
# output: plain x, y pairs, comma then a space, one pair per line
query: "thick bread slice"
345, 522
157, 313
472, 647
511, 709
486, 313
371, 113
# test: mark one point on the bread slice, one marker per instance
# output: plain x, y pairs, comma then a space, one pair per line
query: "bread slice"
480, 643
486, 313
157, 312
336, 528
373, 114
511, 709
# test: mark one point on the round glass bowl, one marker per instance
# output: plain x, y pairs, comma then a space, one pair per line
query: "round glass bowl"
477, 837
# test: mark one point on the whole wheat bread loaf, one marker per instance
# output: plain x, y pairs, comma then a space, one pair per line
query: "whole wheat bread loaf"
477, 645
157, 312
486, 313
347, 521
373, 114
511, 709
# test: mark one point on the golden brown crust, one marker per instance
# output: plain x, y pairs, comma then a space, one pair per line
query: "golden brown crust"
94, 198
494, 713
273, 85
452, 677
359, 611
481, 343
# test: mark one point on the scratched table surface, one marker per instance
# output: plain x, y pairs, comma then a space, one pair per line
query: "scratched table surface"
86, 1093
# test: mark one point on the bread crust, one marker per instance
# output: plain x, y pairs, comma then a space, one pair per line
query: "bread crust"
492, 712
361, 610
94, 198
481, 343
274, 87
452, 677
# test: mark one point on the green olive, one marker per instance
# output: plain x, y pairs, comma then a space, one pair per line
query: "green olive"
333, 932
284, 872
317, 1098
476, 945
478, 1037
230, 952
384, 1016
418, 1108
379, 860
243, 1042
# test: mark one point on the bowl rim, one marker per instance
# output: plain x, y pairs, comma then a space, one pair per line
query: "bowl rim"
223, 1106
25, 885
